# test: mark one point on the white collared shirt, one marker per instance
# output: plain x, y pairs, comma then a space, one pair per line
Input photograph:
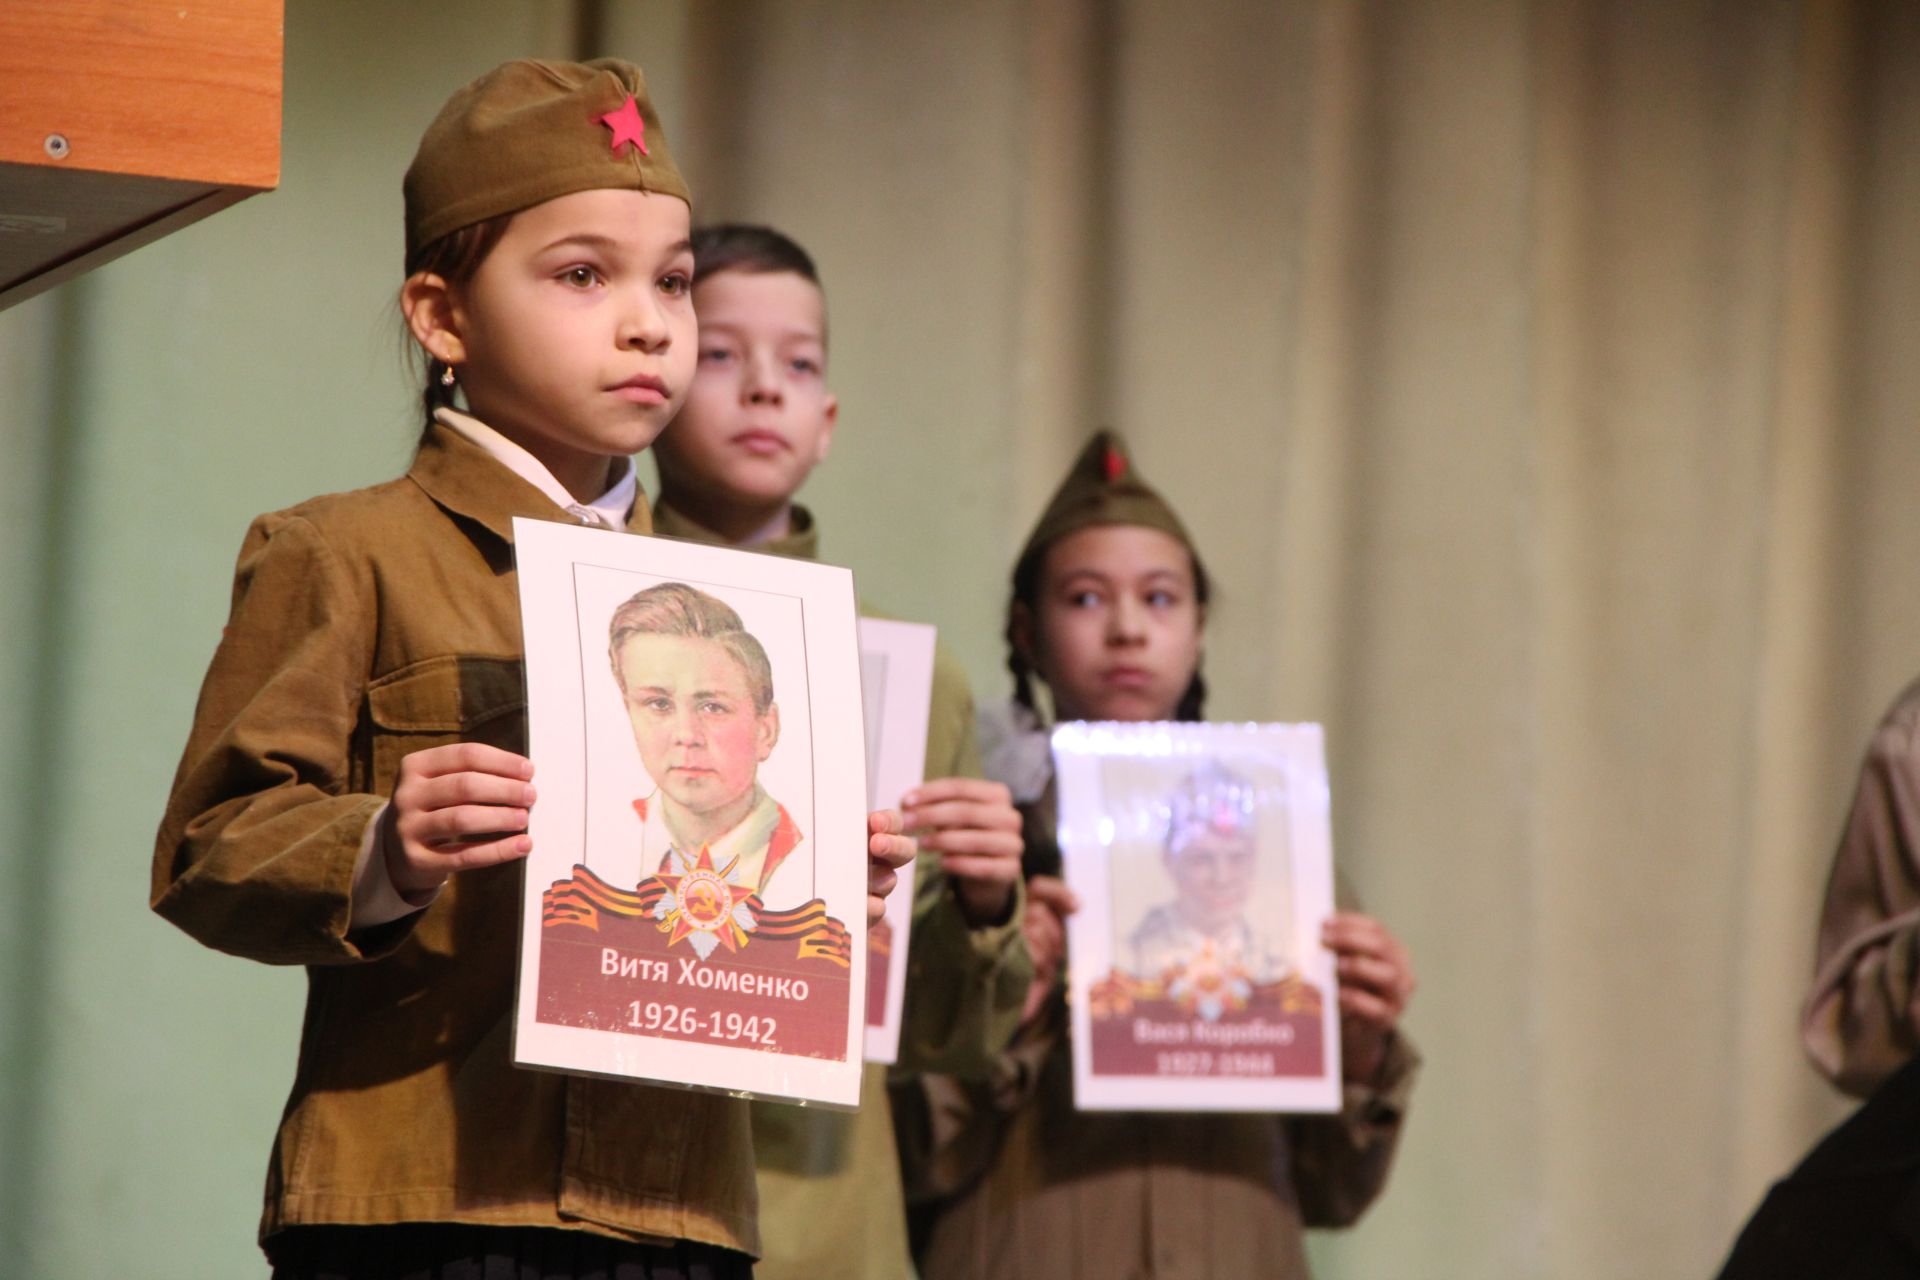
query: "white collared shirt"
745, 845
610, 510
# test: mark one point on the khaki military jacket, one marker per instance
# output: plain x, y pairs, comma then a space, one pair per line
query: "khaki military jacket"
1013, 1183
1861, 1022
830, 1195
366, 626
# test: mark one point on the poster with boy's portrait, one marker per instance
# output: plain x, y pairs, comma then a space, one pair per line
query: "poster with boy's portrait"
695, 901
896, 686
1202, 857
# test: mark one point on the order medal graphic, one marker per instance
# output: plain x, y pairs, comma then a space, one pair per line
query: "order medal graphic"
705, 906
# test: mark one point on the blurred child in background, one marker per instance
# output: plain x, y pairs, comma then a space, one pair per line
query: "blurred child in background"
757, 422
1109, 612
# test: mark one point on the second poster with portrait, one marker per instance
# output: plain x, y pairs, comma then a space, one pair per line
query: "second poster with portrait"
1201, 855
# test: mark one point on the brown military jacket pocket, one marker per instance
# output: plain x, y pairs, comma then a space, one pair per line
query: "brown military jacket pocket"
450, 698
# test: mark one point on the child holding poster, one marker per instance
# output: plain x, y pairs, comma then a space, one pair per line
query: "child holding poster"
354, 794
1109, 611
759, 419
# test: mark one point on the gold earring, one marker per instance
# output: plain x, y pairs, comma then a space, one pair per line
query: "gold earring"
446, 376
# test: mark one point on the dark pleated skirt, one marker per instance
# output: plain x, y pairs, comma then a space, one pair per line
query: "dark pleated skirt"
452, 1251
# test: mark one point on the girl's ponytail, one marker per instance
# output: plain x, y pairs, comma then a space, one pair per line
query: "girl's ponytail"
1193, 703
1026, 595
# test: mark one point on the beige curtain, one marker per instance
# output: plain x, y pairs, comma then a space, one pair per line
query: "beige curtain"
1538, 379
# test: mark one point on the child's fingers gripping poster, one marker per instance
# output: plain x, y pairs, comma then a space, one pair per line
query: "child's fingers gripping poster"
1202, 858
695, 904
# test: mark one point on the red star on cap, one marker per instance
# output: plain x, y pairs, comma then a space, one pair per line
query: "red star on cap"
627, 126
1114, 465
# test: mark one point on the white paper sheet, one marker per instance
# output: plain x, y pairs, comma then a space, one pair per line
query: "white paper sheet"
695, 902
1202, 857
896, 669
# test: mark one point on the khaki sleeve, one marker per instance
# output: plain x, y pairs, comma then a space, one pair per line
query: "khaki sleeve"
949, 1129
966, 986
953, 743
256, 853
1860, 1019
1340, 1162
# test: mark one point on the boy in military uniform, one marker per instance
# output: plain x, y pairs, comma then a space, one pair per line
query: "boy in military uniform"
757, 421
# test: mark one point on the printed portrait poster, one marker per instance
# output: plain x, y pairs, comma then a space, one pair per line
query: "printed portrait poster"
1202, 858
695, 903
896, 686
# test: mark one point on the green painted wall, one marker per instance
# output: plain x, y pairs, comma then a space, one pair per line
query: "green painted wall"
149, 411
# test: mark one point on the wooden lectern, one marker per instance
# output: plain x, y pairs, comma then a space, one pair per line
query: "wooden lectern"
122, 120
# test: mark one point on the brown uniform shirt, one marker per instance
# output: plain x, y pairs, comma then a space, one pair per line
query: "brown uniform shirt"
1861, 1022
366, 626
1019, 1184
830, 1195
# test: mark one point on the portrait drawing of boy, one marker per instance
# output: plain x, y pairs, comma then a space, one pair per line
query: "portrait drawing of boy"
697, 687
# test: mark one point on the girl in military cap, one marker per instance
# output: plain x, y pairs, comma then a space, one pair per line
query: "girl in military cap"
354, 793
1108, 612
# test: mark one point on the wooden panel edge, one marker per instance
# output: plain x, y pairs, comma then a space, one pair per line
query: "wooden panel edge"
146, 233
